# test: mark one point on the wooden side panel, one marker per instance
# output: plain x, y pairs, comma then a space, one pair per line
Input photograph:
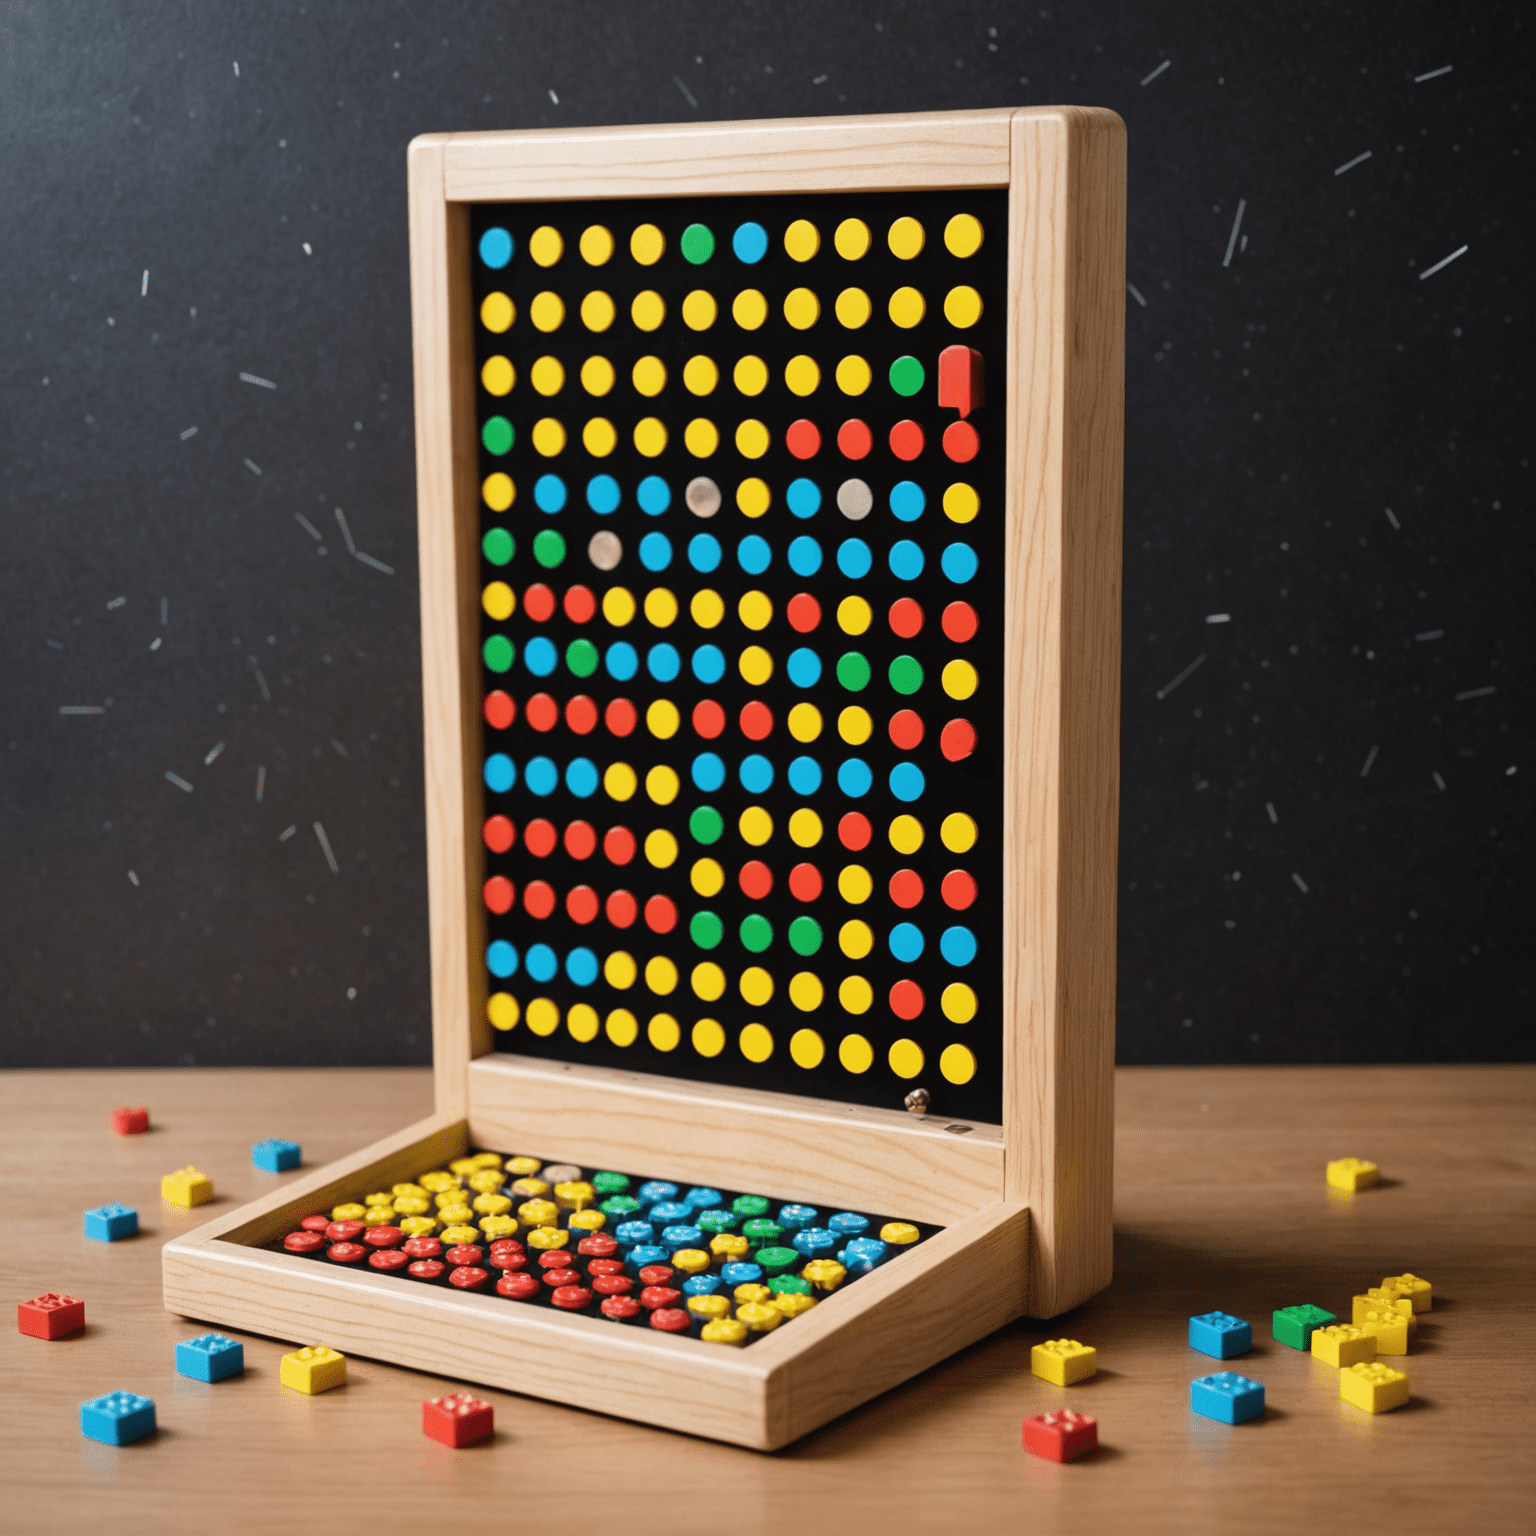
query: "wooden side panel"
806, 1149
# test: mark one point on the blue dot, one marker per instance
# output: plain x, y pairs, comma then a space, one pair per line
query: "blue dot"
540, 656
854, 558
500, 773
655, 551
750, 243
753, 554
663, 662
907, 500
704, 552
603, 494
654, 495
854, 777
907, 560
621, 661
581, 966
804, 556
496, 247
581, 777
541, 962
501, 959
958, 945
906, 942
540, 776
756, 774
803, 497
708, 772
907, 782
708, 664
549, 493
804, 667
805, 775
958, 562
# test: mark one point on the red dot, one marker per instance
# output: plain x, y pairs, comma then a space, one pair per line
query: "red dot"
620, 717
539, 837
708, 719
619, 1308
906, 888
518, 1287
805, 882
580, 840
958, 889
618, 845
580, 604
957, 740
756, 720
621, 909
854, 831
303, 1242
670, 1319
611, 1285
906, 729
959, 622
961, 441
315, 1223
499, 834
854, 439
499, 893
906, 440
581, 903
571, 1298
388, 1260
500, 711
803, 613
581, 715
539, 602
346, 1253
542, 712
661, 914
803, 439
906, 617
756, 880
538, 898
906, 999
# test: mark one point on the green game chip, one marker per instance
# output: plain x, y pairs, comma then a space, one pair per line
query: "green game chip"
762, 1230
549, 548
805, 935
705, 929
853, 671
697, 244
906, 674
499, 653
607, 1184
756, 932
580, 655
790, 1285
907, 378
750, 1206
497, 435
706, 824
776, 1260
619, 1208
715, 1222
498, 546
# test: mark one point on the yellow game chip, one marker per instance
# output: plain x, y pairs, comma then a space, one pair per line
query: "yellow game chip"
755, 609
701, 437
854, 884
957, 1064
498, 491
755, 826
906, 835
620, 970
543, 1016
662, 784
545, 245
660, 607
581, 1023
802, 240
621, 1027
498, 600
597, 376
855, 725
662, 719
852, 240
650, 437
906, 238
752, 439
749, 309
548, 437
649, 376
547, 376
755, 665
708, 1038
756, 1044
750, 375
853, 308
707, 981
647, 245
905, 1058
700, 375
962, 235
660, 848
961, 503
853, 375
663, 1032
855, 995
804, 827
620, 781
802, 308
958, 1002
806, 1050
547, 311
854, 616
661, 975
497, 312
855, 939
700, 310
804, 722
706, 608
498, 376
907, 308
802, 376
598, 437
958, 832
753, 498
707, 877
962, 307
502, 1011
648, 310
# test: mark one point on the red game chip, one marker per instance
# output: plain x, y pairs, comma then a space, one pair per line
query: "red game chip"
511, 1262
670, 1320
580, 604
540, 837
422, 1248
854, 439
500, 711
572, 1298
538, 898
539, 603
581, 715
655, 1274
621, 909
612, 1285
541, 712
600, 1248
957, 740
756, 880
426, 1269
346, 1253
906, 888
505, 1245
555, 1278
316, 1223
581, 904
906, 617
388, 1260
803, 613
805, 882
303, 1242
621, 717
660, 914
961, 441
655, 1296
463, 1253
618, 845
959, 622
607, 1265
803, 439
854, 831
756, 720
499, 893
383, 1237
499, 834
580, 840
344, 1231
906, 729
906, 440
620, 1309
469, 1277
958, 889
906, 999
518, 1287
554, 1258
708, 719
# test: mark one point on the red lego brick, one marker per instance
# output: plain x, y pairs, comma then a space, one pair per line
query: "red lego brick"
1061, 1435
50, 1316
130, 1122
459, 1420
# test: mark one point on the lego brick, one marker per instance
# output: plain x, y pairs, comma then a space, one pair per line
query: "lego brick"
186, 1187
210, 1357
1063, 1361
1294, 1325
50, 1316
1061, 1435
1220, 1335
1352, 1174
1391, 1330
107, 1223
119, 1418
276, 1156
1227, 1397
458, 1420
1374, 1387
1381, 1298
1414, 1287
313, 1369
1342, 1345
130, 1122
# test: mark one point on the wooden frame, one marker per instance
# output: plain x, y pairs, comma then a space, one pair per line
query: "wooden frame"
1025, 1204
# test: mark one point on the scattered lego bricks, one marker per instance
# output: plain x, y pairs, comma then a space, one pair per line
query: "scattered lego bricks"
50, 1316
276, 1156
313, 1370
1227, 1397
1374, 1387
1351, 1174
1294, 1325
1061, 1435
119, 1418
1341, 1345
459, 1420
130, 1122
186, 1187
1220, 1335
108, 1223
210, 1357
1063, 1361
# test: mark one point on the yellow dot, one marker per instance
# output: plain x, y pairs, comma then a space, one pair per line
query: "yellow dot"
755, 665
855, 939
802, 240
599, 438
802, 308
756, 1043
618, 606
545, 245
650, 437
706, 608
548, 437
907, 308
806, 991
502, 1010
961, 503
700, 310
647, 244
662, 719
596, 245
854, 615
547, 311
906, 1058
853, 308
620, 781
957, 1063
852, 240
700, 375
661, 784
708, 1037
498, 491
855, 1054
498, 600
805, 722
649, 376
749, 309
621, 1026
597, 376
802, 376
663, 1032
755, 610
498, 376
959, 679
854, 884
750, 375
497, 312
753, 496
708, 981
962, 307
899, 1232
958, 832
660, 848
547, 376
661, 975
752, 439
582, 1023
706, 877
648, 310
854, 725
958, 1002
806, 1049
906, 834
620, 970
701, 437
804, 827
853, 375
543, 1016
906, 238
660, 607
755, 826
962, 235
855, 995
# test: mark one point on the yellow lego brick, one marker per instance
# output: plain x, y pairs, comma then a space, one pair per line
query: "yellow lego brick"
312, 1370
1380, 1299
186, 1187
1342, 1346
1352, 1174
1415, 1288
1063, 1361
1391, 1330
1374, 1387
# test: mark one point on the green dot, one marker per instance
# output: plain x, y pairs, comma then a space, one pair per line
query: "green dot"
610, 1183
497, 435
756, 932
706, 824
775, 1260
805, 935
697, 244
718, 1221
762, 1231
790, 1285
581, 656
750, 1206
853, 671
548, 548
906, 674
705, 929
619, 1207
498, 546
499, 653
906, 377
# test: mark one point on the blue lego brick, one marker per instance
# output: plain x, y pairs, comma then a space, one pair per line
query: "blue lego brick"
1227, 1397
1220, 1335
107, 1223
119, 1418
210, 1357
277, 1156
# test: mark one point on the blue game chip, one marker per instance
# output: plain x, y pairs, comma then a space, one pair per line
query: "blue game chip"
501, 959
663, 662
756, 774
708, 772
540, 776
750, 243
549, 493
805, 775
804, 556
907, 782
603, 494
906, 942
906, 560
581, 966
540, 656
854, 558
621, 661
708, 663
500, 773
704, 552
803, 497
803, 667
907, 500
496, 248
654, 495
655, 551
958, 562
753, 554
541, 962
581, 777
958, 945
854, 777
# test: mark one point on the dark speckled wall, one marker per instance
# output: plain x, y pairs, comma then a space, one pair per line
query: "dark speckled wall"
210, 768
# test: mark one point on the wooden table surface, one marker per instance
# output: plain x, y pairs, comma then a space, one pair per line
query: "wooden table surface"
1220, 1202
